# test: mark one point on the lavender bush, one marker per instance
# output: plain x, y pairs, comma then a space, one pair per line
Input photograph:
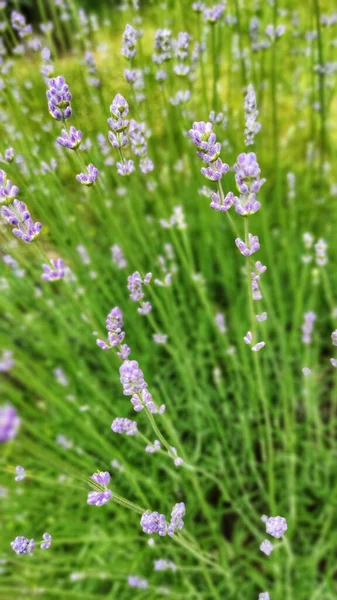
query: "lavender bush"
168, 300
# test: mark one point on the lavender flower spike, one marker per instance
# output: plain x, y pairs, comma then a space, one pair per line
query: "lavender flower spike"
59, 97
45, 545
98, 498
20, 473
131, 377
56, 272
88, 178
153, 522
253, 245
215, 170
70, 139
276, 526
264, 596
17, 214
22, 545
137, 582
9, 422
102, 478
177, 514
266, 547
127, 426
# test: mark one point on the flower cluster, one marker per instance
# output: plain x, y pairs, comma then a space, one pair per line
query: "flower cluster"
129, 41
101, 480
137, 582
6, 360
249, 248
59, 97
208, 149
19, 25
308, 326
9, 422
70, 139
163, 46
164, 565
114, 325
20, 473
122, 425
124, 132
23, 545
275, 526
333, 361
247, 177
154, 522
181, 47
213, 14
54, 272
252, 126
118, 257
135, 287
15, 212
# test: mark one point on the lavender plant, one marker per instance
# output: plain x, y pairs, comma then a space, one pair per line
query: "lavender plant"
142, 454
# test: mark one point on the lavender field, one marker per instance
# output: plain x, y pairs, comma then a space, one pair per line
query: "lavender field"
168, 297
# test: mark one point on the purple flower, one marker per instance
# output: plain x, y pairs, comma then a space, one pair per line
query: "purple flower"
215, 170
70, 139
162, 46
334, 338
213, 14
143, 399
135, 283
102, 478
9, 155
22, 545
118, 257
258, 346
119, 109
159, 338
20, 473
144, 308
56, 272
99, 498
129, 41
198, 7
136, 582
308, 326
264, 596
121, 425
45, 545
164, 565
177, 514
9, 422
125, 167
266, 547
88, 178
251, 114
178, 461
146, 165
155, 447
275, 526
153, 522
7, 362
222, 204
247, 177
131, 377
18, 22
17, 214
8, 191
253, 245
59, 97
